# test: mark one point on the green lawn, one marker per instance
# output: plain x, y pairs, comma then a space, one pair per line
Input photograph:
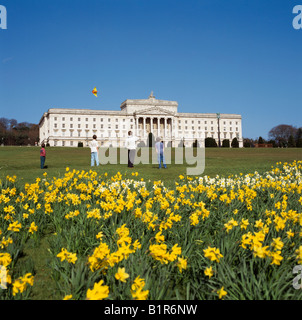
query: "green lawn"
24, 162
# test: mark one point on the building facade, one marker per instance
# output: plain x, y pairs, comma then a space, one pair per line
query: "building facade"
146, 118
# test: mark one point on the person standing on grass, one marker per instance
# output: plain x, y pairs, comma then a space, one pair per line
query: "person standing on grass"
42, 155
94, 148
159, 147
131, 146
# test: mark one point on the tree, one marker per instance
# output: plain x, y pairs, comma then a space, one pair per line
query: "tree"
299, 143
226, 143
299, 138
210, 142
291, 142
260, 140
248, 143
235, 143
23, 133
281, 134
273, 142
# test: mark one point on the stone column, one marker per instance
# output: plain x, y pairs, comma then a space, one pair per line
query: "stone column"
135, 126
165, 127
144, 127
158, 126
151, 124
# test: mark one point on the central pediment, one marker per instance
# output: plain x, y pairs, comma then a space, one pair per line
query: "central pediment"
157, 111
153, 105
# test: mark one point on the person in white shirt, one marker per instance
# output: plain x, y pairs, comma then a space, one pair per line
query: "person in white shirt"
131, 146
94, 147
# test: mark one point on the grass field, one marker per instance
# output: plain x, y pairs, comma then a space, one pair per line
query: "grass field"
24, 162
223, 238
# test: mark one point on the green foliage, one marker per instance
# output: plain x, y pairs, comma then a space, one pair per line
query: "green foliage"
210, 142
235, 143
226, 143
291, 142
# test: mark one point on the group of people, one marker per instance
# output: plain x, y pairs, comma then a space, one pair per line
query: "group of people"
130, 145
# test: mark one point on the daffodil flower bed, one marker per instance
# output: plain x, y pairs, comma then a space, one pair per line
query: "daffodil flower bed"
123, 238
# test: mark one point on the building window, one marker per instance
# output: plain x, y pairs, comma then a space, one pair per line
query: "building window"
71, 119
94, 126
86, 119
55, 118
63, 143
55, 125
71, 143
116, 120
102, 126
79, 119
79, 126
63, 119
101, 119
86, 126
63, 125
108, 119
94, 119
79, 133
71, 125
71, 133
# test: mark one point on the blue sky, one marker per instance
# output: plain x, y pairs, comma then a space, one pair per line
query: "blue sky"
235, 56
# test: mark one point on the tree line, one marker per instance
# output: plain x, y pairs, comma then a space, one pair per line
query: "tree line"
281, 136
14, 133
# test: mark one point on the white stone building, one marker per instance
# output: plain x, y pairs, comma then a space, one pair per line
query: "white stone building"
68, 127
